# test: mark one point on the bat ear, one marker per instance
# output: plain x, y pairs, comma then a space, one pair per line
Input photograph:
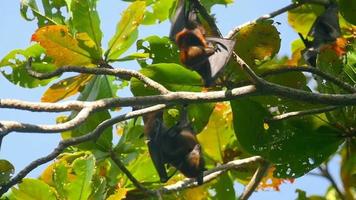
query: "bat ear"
217, 61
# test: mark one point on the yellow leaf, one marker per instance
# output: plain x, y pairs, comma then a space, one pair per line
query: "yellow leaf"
119, 194
218, 132
253, 48
66, 88
47, 174
62, 46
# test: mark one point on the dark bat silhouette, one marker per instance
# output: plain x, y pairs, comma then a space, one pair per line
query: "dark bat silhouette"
325, 29
206, 55
177, 146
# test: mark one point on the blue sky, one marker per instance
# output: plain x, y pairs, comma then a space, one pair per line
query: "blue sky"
22, 148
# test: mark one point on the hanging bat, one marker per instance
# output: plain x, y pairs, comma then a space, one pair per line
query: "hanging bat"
177, 146
325, 29
206, 55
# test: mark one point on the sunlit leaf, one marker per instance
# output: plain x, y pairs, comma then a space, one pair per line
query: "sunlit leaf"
52, 12
83, 169
6, 171
160, 11
209, 3
86, 19
302, 18
118, 195
32, 189
302, 195
126, 31
73, 175
218, 133
66, 88
61, 46
253, 48
197, 193
17, 60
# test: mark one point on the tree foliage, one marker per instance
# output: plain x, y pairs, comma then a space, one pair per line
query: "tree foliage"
227, 130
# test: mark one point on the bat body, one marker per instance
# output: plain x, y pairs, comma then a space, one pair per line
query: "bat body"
206, 55
176, 146
326, 29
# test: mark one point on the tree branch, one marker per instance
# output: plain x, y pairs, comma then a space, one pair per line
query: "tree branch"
210, 174
301, 113
255, 181
9, 126
74, 141
313, 70
125, 74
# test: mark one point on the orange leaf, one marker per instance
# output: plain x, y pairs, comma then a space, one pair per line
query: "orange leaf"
65, 88
269, 181
61, 46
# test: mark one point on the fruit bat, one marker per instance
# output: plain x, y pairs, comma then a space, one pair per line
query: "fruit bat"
325, 29
206, 55
177, 146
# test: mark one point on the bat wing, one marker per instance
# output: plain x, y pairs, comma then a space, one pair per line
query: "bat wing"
217, 61
178, 20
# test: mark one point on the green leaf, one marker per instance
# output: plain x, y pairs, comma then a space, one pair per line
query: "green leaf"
133, 56
80, 188
6, 171
174, 77
348, 10
143, 169
302, 18
126, 31
302, 195
131, 140
160, 11
99, 188
295, 146
53, 14
85, 18
209, 3
160, 50
33, 189
17, 60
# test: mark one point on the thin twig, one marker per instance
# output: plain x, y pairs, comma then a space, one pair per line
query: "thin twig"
255, 181
301, 113
326, 174
74, 141
313, 70
122, 167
